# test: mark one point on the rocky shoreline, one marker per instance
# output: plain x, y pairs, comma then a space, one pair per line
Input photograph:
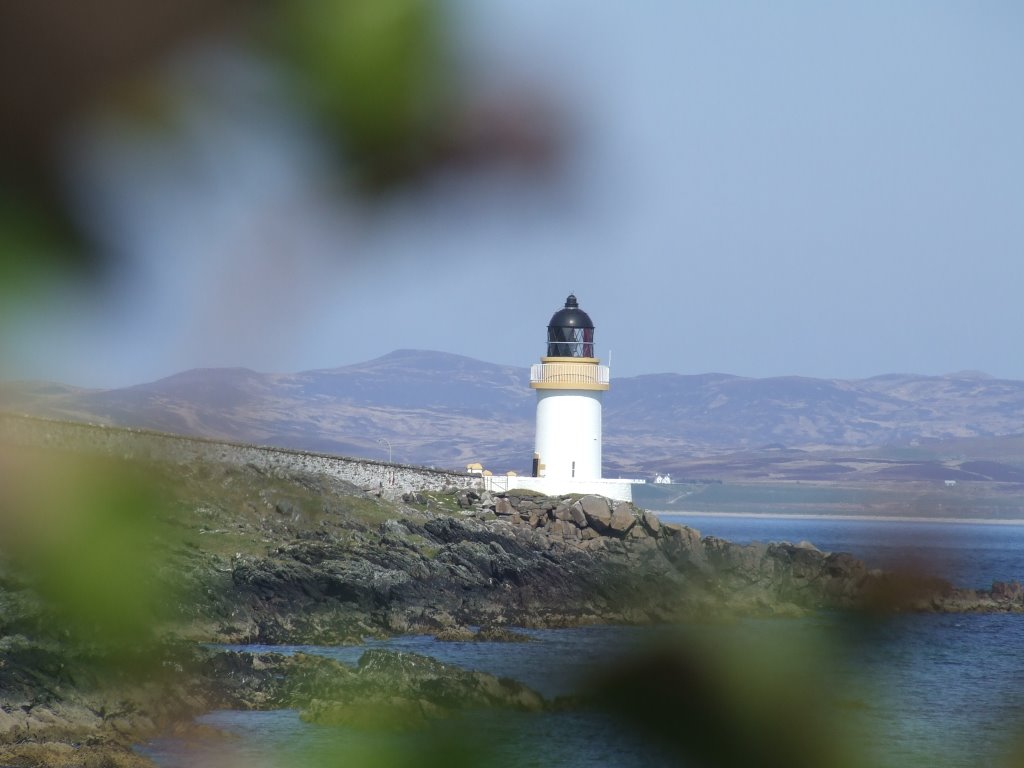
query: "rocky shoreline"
520, 559
274, 558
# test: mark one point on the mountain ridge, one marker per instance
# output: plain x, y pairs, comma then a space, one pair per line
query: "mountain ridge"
444, 409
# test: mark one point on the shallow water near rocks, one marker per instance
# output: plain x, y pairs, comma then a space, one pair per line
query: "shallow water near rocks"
279, 738
918, 690
553, 663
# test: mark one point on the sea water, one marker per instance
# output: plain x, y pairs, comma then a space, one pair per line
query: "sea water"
916, 690
967, 554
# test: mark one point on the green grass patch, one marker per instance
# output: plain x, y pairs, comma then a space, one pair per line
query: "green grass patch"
442, 501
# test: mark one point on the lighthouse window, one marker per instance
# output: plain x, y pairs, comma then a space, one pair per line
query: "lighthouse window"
567, 341
574, 469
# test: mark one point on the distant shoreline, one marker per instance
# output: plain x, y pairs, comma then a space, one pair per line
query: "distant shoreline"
857, 518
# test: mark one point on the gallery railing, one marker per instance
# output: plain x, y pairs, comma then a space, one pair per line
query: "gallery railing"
569, 373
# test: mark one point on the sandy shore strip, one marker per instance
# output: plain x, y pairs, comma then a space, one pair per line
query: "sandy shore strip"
663, 514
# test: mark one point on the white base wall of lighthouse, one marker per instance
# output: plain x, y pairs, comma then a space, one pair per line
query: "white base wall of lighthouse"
619, 490
568, 439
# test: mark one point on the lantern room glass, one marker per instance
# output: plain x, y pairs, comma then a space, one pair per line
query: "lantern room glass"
569, 341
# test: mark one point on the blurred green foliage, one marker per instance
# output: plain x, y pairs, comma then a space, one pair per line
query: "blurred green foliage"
375, 71
88, 535
749, 694
36, 244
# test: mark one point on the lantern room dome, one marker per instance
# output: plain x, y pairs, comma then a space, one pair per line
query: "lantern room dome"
571, 316
571, 332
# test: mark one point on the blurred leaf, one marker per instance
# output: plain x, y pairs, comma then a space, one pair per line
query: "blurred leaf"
747, 698
35, 243
87, 534
374, 70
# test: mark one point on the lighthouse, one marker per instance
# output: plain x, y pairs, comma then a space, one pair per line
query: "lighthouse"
570, 382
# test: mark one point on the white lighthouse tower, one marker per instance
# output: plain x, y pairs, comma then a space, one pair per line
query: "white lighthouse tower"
570, 382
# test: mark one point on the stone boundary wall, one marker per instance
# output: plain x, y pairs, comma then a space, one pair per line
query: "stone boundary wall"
146, 444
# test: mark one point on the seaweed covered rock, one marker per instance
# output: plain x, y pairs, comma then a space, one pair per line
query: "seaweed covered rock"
390, 689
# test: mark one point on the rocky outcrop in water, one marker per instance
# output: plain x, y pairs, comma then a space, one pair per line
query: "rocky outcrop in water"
385, 689
65, 709
520, 559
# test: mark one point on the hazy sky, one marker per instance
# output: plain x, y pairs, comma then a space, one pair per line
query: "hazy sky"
763, 189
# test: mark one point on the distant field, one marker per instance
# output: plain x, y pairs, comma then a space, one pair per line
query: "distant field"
919, 499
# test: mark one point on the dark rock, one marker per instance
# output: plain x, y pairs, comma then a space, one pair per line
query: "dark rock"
680, 531
501, 635
455, 635
596, 512
1002, 590
651, 522
557, 528
622, 520
562, 512
638, 532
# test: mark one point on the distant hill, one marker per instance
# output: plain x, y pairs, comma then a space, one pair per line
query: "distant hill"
447, 410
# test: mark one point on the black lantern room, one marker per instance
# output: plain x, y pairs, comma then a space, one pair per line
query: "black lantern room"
571, 332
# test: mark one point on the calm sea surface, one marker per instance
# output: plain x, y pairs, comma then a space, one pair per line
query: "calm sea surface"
910, 691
